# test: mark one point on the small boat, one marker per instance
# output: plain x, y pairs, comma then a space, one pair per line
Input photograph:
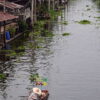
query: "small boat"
44, 95
37, 93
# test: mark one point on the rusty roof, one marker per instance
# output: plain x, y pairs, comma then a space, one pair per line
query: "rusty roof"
1, 0
11, 5
6, 16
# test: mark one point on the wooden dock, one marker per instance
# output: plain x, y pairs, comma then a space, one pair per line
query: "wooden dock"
15, 37
2, 44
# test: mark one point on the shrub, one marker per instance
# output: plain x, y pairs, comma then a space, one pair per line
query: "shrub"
22, 26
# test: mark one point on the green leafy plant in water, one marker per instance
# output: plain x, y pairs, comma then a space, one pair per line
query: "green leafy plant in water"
21, 48
97, 17
37, 46
84, 22
34, 77
40, 40
47, 33
54, 14
2, 76
87, 5
8, 52
20, 53
12, 54
30, 45
88, 9
65, 34
65, 23
39, 25
37, 33
31, 34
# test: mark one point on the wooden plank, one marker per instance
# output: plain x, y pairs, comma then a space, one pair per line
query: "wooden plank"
16, 36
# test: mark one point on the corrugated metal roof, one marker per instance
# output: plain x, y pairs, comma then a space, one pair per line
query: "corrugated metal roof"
11, 5
2, 0
6, 16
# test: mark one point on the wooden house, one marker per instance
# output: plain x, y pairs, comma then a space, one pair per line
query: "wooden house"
6, 21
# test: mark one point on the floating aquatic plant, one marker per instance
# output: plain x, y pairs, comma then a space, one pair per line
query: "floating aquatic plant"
20, 49
65, 23
30, 45
40, 40
47, 33
20, 53
8, 52
2, 76
84, 22
53, 14
65, 34
88, 9
97, 17
87, 5
37, 46
33, 77
12, 54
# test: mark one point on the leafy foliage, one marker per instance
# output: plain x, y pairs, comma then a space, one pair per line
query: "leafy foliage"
22, 26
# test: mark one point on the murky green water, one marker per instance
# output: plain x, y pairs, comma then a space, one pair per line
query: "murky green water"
71, 63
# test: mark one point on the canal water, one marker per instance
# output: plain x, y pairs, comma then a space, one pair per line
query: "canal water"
70, 63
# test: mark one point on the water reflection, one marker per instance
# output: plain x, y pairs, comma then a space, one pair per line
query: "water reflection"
97, 2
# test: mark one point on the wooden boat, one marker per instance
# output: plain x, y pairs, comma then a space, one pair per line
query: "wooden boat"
44, 95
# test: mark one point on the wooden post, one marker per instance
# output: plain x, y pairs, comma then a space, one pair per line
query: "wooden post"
4, 8
49, 4
57, 3
0, 29
32, 9
53, 2
4, 37
35, 10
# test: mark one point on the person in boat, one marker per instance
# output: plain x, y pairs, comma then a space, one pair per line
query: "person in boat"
36, 94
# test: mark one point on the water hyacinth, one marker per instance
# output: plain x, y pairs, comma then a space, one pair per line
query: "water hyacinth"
65, 34
2, 76
84, 22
